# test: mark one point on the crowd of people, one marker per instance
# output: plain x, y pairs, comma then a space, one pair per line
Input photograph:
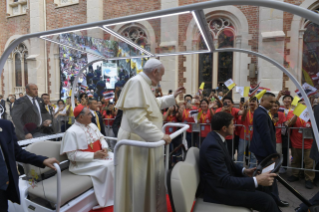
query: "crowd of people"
197, 111
252, 130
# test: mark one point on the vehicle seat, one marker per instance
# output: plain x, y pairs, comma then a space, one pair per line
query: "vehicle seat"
71, 185
183, 181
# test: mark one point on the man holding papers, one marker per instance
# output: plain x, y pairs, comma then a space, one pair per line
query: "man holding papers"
296, 141
223, 181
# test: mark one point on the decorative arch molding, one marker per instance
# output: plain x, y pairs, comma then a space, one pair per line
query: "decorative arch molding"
146, 26
54, 71
296, 37
241, 61
7, 79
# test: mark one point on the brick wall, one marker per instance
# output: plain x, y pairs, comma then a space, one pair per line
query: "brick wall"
18, 25
63, 17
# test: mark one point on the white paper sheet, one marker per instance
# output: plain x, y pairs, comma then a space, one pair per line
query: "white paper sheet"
268, 168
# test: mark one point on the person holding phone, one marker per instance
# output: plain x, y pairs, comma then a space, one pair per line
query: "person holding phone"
279, 118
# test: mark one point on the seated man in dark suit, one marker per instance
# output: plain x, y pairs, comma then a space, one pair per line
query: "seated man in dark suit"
223, 181
97, 118
10, 152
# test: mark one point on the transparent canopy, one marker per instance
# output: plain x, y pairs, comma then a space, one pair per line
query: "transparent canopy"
97, 56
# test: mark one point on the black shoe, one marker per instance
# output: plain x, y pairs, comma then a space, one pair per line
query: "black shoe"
282, 203
309, 184
293, 178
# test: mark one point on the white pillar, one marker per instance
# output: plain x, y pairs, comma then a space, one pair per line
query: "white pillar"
94, 13
271, 44
37, 67
169, 37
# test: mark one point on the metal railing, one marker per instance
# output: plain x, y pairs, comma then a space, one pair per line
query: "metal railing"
306, 134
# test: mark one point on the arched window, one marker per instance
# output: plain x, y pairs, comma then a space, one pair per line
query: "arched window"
310, 54
222, 31
20, 55
137, 34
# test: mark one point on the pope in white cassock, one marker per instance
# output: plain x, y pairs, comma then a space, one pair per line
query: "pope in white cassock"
88, 152
140, 183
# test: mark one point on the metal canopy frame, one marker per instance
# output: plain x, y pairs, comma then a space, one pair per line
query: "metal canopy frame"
197, 11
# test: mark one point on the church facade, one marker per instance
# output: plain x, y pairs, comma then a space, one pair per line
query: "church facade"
289, 39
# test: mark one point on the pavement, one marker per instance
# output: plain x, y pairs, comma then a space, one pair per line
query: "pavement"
286, 195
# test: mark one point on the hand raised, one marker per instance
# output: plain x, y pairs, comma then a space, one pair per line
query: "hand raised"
179, 91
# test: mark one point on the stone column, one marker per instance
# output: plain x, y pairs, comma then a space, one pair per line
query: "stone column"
169, 38
271, 44
37, 65
9, 75
94, 13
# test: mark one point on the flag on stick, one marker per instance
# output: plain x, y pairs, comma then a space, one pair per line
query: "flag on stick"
194, 114
201, 88
302, 112
307, 77
243, 91
230, 84
281, 109
310, 90
108, 95
83, 88
295, 101
260, 94
253, 90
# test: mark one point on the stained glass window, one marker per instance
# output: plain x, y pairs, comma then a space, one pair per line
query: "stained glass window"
18, 71
310, 59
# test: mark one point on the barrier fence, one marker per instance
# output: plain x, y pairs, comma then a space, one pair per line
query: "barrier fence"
194, 138
247, 155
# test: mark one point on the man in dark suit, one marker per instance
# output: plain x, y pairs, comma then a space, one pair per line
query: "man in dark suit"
11, 104
263, 142
3, 104
10, 152
223, 181
50, 109
29, 114
97, 118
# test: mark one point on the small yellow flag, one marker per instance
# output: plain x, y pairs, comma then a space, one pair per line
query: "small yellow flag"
201, 87
70, 93
246, 91
295, 101
302, 112
307, 77
260, 94
230, 84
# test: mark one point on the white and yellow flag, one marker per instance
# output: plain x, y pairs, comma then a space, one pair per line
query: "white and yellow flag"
230, 84
302, 112
295, 101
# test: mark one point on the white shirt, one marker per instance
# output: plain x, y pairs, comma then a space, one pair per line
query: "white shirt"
93, 112
263, 108
243, 170
38, 106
